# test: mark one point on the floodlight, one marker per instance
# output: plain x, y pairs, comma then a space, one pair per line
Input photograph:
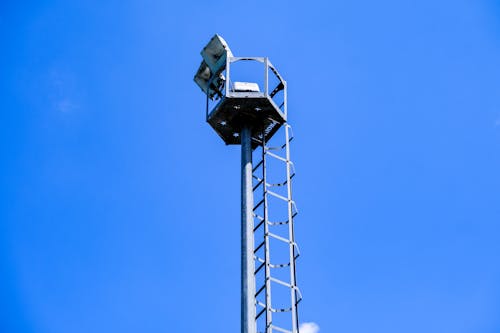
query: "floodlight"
204, 79
215, 54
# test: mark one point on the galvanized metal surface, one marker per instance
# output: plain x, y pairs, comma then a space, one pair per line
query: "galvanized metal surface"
233, 109
241, 114
247, 239
281, 313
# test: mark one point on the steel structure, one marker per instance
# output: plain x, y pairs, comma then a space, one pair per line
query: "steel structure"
241, 114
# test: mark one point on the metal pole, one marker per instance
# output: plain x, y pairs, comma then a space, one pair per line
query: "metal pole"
247, 242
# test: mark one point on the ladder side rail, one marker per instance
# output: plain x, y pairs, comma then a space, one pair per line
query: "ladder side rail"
269, 318
293, 294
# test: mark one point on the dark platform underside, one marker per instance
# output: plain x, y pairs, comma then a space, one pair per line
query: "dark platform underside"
232, 113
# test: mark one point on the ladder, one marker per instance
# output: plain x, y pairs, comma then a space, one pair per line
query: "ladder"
275, 250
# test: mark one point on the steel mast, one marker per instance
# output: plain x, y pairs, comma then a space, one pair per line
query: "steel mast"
241, 113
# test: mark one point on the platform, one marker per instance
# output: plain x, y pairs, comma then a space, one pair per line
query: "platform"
252, 108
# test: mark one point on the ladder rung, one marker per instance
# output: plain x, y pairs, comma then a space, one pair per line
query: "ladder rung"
270, 234
258, 225
280, 329
259, 268
259, 259
289, 140
268, 148
276, 195
260, 304
279, 265
276, 156
260, 290
258, 216
278, 223
258, 247
258, 184
278, 88
257, 166
283, 283
260, 313
280, 184
281, 309
260, 203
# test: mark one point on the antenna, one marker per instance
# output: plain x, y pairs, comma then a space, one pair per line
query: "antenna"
242, 114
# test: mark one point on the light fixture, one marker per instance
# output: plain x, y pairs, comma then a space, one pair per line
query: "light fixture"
215, 54
205, 79
209, 75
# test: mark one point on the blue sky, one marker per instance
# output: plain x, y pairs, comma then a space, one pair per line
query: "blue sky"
119, 206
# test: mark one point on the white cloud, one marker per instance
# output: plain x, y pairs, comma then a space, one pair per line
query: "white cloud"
309, 328
64, 92
66, 105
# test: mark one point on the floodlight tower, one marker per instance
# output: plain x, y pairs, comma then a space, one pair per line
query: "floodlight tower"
242, 114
